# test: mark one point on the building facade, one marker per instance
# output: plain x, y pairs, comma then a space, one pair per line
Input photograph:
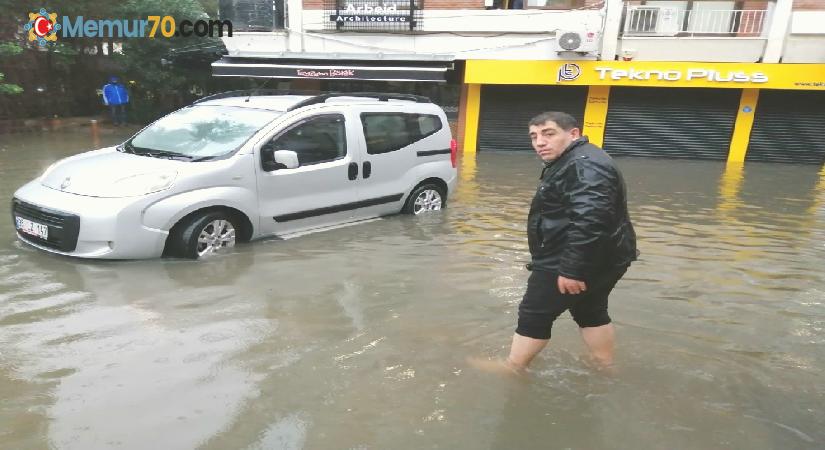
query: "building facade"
736, 80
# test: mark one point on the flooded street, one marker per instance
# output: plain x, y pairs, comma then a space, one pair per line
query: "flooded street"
356, 338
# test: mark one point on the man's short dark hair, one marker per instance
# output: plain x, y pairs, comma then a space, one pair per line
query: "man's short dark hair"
565, 121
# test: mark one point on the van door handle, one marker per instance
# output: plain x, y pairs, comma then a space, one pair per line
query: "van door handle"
353, 171
367, 169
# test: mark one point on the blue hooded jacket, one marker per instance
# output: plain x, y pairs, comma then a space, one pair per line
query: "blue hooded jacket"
115, 94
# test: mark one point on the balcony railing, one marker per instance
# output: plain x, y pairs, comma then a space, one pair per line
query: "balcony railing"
664, 21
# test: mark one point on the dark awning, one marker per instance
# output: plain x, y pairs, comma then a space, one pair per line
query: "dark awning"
332, 70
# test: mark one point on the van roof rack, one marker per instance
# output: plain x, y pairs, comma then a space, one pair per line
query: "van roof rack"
315, 98
380, 96
239, 93
251, 93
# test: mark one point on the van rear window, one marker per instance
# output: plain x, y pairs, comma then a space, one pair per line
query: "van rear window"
388, 132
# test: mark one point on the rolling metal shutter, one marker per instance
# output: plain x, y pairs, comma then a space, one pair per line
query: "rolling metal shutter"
788, 127
690, 123
506, 109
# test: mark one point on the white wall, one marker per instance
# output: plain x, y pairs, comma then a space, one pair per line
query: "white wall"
477, 34
370, 46
263, 43
492, 21
464, 34
804, 49
806, 43
808, 22
694, 49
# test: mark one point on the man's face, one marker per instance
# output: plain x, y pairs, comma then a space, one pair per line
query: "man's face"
549, 140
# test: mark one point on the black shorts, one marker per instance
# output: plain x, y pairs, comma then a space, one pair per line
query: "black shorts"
543, 303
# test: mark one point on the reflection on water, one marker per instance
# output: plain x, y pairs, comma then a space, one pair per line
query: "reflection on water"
356, 338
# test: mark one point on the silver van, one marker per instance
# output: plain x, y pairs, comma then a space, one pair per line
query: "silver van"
237, 167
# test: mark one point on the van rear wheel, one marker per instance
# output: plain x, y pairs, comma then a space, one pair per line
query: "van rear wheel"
423, 199
204, 235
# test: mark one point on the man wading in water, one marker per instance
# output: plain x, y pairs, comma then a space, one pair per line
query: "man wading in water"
581, 243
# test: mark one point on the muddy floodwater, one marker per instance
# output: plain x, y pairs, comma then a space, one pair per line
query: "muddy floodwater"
356, 338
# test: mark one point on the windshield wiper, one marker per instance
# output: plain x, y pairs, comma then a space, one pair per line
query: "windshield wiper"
169, 155
205, 158
161, 153
127, 147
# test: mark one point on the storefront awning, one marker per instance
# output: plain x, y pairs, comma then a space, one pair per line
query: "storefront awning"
434, 71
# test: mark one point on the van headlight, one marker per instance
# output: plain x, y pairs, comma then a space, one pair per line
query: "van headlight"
142, 184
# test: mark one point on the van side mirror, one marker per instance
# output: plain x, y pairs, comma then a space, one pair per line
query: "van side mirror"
287, 158
279, 159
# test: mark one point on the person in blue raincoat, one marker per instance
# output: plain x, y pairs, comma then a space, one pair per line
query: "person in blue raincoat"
116, 97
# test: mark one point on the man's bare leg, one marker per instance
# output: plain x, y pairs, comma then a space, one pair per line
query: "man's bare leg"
523, 350
600, 341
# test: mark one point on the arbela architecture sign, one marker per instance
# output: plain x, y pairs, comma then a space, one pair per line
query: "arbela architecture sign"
373, 15
367, 13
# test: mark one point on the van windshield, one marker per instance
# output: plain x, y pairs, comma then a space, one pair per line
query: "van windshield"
200, 132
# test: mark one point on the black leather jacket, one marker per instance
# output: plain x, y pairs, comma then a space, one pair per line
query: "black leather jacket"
578, 225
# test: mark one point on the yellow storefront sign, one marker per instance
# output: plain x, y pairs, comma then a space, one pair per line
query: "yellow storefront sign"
647, 74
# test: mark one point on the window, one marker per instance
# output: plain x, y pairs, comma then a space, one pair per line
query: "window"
388, 132
253, 15
427, 125
317, 140
203, 130
551, 4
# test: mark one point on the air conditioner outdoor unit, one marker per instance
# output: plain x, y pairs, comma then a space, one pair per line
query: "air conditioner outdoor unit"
579, 41
653, 20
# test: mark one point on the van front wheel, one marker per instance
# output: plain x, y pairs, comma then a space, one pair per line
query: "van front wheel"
424, 198
204, 235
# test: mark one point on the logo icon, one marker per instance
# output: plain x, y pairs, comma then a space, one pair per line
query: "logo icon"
569, 72
65, 183
42, 27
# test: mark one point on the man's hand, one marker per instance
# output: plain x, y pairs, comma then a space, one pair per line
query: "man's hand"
570, 286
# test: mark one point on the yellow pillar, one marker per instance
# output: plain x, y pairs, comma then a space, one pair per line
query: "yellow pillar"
819, 200
595, 114
729, 187
744, 124
471, 119
467, 190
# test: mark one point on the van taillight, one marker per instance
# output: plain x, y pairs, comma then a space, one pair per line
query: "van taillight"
453, 151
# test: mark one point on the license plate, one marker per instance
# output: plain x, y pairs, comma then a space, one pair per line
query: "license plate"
32, 228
